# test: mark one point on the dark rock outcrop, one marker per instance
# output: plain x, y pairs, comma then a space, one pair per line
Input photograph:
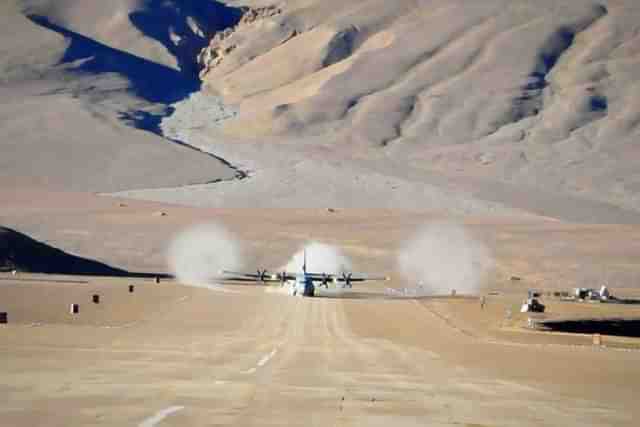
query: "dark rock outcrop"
22, 253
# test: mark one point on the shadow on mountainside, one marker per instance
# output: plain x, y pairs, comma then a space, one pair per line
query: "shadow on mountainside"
150, 81
184, 27
22, 253
530, 103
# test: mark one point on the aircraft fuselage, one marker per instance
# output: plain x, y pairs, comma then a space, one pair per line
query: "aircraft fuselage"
303, 286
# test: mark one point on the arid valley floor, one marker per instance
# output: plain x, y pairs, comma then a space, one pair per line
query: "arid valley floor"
513, 125
251, 355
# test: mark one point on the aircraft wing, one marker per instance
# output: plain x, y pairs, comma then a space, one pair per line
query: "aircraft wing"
345, 277
362, 279
371, 279
266, 276
263, 276
260, 275
236, 279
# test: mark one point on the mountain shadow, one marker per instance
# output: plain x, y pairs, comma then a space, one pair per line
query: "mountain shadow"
149, 80
184, 27
22, 253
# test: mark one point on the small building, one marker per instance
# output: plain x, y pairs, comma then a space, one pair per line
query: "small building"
592, 294
581, 293
533, 293
532, 305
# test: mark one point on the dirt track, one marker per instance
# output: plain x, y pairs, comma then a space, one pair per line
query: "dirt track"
250, 357
517, 120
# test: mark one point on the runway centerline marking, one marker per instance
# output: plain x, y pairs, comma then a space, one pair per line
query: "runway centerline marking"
218, 287
152, 421
265, 359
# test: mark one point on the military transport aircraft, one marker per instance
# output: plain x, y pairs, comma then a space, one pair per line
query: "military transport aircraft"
303, 283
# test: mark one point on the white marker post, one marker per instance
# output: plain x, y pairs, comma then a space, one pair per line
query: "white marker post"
597, 339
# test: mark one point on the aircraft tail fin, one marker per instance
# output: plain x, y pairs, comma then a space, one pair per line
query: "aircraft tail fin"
304, 264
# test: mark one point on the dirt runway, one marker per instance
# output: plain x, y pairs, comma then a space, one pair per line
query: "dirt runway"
172, 355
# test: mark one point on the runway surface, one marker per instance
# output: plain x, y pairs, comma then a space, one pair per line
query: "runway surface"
172, 355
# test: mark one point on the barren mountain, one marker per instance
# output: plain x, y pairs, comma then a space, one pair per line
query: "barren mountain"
485, 106
81, 84
22, 253
542, 93
489, 149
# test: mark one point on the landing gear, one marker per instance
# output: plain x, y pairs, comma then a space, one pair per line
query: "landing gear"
309, 290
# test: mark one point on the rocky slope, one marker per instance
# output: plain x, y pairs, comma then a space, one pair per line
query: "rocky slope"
457, 105
542, 93
82, 82
20, 252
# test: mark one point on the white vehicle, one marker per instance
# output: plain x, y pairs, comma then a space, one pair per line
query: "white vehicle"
303, 283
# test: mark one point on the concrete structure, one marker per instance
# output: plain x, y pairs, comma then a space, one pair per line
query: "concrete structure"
581, 293
592, 294
532, 305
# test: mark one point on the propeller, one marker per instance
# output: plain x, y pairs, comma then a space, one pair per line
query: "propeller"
262, 275
325, 280
347, 279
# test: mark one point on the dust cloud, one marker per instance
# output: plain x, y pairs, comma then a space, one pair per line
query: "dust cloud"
443, 257
321, 258
197, 255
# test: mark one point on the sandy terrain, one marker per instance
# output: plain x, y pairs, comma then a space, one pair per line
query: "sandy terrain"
500, 107
543, 252
70, 104
250, 357
528, 93
514, 120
